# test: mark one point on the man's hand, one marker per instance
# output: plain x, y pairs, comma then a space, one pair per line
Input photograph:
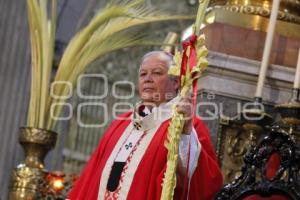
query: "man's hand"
185, 107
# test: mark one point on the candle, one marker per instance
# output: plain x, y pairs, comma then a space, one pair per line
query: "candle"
297, 75
267, 49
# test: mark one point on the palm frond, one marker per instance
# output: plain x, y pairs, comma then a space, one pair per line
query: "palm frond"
101, 36
88, 57
104, 34
34, 28
42, 43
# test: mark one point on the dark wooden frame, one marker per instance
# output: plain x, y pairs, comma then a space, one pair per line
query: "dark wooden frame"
253, 179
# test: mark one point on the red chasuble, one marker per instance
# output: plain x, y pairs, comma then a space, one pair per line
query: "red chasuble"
147, 182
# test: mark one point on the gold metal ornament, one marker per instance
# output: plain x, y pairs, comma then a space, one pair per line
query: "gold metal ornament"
254, 14
36, 143
289, 10
290, 114
237, 136
25, 183
27, 178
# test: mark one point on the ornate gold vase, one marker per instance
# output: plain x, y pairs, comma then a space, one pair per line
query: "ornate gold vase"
27, 178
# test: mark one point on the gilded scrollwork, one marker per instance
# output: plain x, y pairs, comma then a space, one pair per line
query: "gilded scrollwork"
236, 147
234, 141
232, 146
289, 9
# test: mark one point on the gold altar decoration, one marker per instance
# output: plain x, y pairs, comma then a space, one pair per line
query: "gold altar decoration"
28, 176
289, 10
177, 121
290, 114
232, 145
254, 14
235, 138
36, 144
25, 183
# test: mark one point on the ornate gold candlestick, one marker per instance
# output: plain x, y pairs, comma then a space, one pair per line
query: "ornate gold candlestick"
27, 178
290, 114
255, 119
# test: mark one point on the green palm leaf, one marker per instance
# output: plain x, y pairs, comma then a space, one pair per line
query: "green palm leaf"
110, 29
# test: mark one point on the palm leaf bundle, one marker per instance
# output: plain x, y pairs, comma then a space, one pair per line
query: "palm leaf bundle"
190, 75
42, 37
109, 30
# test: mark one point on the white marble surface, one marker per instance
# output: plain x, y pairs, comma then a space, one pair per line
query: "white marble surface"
237, 77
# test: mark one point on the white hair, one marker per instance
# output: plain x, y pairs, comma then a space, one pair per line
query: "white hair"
165, 56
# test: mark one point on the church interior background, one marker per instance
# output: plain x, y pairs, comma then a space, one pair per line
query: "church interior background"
235, 40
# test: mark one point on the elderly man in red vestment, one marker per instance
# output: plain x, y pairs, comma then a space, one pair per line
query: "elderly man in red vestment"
130, 160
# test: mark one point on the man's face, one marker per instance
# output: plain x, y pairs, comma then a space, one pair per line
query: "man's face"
155, 85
